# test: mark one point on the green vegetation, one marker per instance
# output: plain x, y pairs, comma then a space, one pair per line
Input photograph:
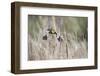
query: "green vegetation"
73, 31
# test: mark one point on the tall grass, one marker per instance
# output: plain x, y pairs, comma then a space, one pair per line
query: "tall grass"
73, 30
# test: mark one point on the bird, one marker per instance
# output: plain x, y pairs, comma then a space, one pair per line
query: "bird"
51, 31
45, 37
60, 39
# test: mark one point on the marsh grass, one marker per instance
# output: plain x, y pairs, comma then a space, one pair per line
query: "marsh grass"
73, 30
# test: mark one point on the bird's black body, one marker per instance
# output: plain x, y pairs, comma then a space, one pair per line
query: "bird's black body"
45, 37
60, 39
